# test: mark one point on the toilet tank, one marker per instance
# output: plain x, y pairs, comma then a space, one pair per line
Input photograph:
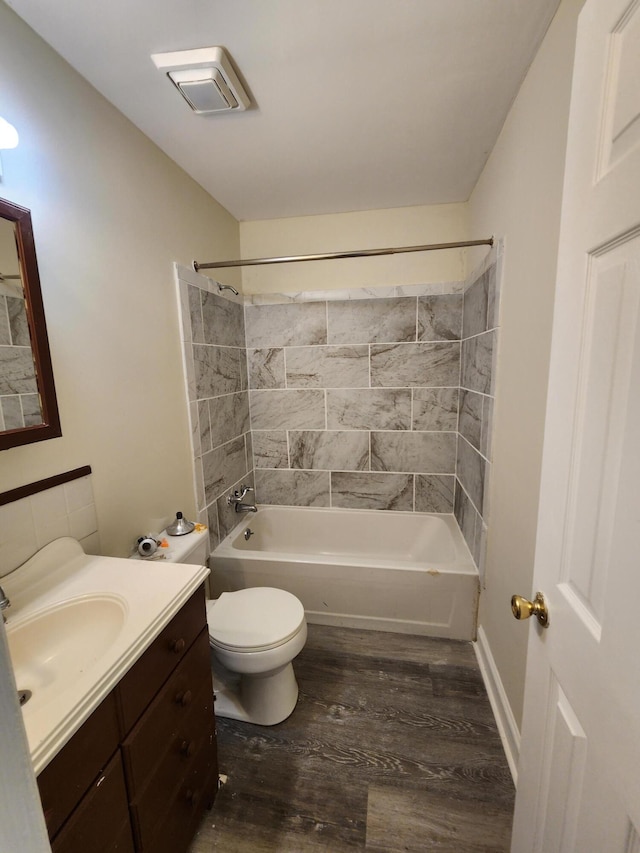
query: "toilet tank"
190, 548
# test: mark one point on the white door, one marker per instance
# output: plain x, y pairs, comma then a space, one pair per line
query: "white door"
579, 773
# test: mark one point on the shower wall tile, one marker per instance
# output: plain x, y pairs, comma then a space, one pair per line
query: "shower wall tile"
435, 492
477, 363
470, 425
466, 516
435, 409
368, 321
266, 367
440, 317
424, 452
270, 449
303, 409
248, 444
487, 428
222, 467
223, 321
476, 300
329, 450
216, 378
194, 329
302, 324
202, 437
372, 491
229, 417
218, 370
293, 488
493, 298
414, 365
369, 408
328, 367
480, 304
470, 467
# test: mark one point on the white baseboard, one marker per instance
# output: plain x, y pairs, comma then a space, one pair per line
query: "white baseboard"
507, 727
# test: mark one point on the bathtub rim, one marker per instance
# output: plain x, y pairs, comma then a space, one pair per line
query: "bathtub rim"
463, 564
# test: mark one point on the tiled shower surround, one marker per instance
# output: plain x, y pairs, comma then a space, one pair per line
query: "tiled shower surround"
345, 399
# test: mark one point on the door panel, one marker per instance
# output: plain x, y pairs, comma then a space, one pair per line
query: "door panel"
579, 776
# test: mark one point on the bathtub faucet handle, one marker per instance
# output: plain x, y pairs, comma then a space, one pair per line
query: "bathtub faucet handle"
242, 491
235, 499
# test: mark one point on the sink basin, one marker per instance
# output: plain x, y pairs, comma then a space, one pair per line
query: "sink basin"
56, 646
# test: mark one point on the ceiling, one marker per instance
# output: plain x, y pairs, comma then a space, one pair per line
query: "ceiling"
357, 104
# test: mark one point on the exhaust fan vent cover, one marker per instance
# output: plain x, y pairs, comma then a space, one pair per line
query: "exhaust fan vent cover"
205, 78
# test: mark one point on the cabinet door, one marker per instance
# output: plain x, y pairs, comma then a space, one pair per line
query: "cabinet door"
101, 823
67, 778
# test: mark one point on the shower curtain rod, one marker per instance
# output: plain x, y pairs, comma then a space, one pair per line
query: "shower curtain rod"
330, 256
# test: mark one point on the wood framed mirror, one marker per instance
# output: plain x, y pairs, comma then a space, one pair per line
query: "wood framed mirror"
28, 405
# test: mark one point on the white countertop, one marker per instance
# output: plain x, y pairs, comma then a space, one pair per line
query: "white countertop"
144, 596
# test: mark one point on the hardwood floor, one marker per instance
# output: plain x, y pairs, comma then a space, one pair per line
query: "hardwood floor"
392, 747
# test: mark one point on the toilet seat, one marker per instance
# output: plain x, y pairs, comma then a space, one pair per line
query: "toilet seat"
254, 620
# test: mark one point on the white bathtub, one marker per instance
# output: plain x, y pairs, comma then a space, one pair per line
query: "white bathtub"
389, 571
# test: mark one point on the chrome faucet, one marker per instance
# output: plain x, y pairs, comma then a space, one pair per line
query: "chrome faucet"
236, 499
4, 603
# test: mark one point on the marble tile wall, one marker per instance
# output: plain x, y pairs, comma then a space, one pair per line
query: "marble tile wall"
215, 363
354, 402
477, 391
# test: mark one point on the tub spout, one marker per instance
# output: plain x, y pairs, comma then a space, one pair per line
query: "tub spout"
246, 508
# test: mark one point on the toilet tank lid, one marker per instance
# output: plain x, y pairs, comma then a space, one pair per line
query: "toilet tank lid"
254, 619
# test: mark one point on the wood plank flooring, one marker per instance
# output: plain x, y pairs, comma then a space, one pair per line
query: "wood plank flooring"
392, 748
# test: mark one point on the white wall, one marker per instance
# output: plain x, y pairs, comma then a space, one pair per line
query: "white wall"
518, 196
111, 214
372, 229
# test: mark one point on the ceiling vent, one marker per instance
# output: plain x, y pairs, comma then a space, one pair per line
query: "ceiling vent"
205, 78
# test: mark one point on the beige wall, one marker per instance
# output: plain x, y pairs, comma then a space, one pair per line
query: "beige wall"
372, 229
110, 214
518, 197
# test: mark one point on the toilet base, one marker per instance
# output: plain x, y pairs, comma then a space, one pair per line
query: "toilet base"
264, 700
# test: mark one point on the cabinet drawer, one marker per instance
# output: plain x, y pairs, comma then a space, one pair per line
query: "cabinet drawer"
66, 779
100, 824
173, 831
192, 757
164, 723
144, 679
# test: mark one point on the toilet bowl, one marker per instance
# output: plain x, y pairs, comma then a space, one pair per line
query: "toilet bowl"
254, 635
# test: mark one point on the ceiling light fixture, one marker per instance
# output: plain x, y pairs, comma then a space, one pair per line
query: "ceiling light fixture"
205, 78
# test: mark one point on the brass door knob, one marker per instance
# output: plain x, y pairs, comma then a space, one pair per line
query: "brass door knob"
522, 608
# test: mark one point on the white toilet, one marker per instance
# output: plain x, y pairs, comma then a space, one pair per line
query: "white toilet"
255, 634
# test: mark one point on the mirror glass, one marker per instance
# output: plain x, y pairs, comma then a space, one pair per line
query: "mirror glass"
28, 407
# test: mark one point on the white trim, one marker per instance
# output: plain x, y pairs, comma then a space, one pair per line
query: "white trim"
507, 726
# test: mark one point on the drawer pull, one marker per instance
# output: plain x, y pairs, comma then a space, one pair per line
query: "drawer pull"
184, 698
191, 797
177, 646
187, 748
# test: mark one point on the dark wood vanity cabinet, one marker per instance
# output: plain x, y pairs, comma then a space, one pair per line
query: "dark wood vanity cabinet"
139, 773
